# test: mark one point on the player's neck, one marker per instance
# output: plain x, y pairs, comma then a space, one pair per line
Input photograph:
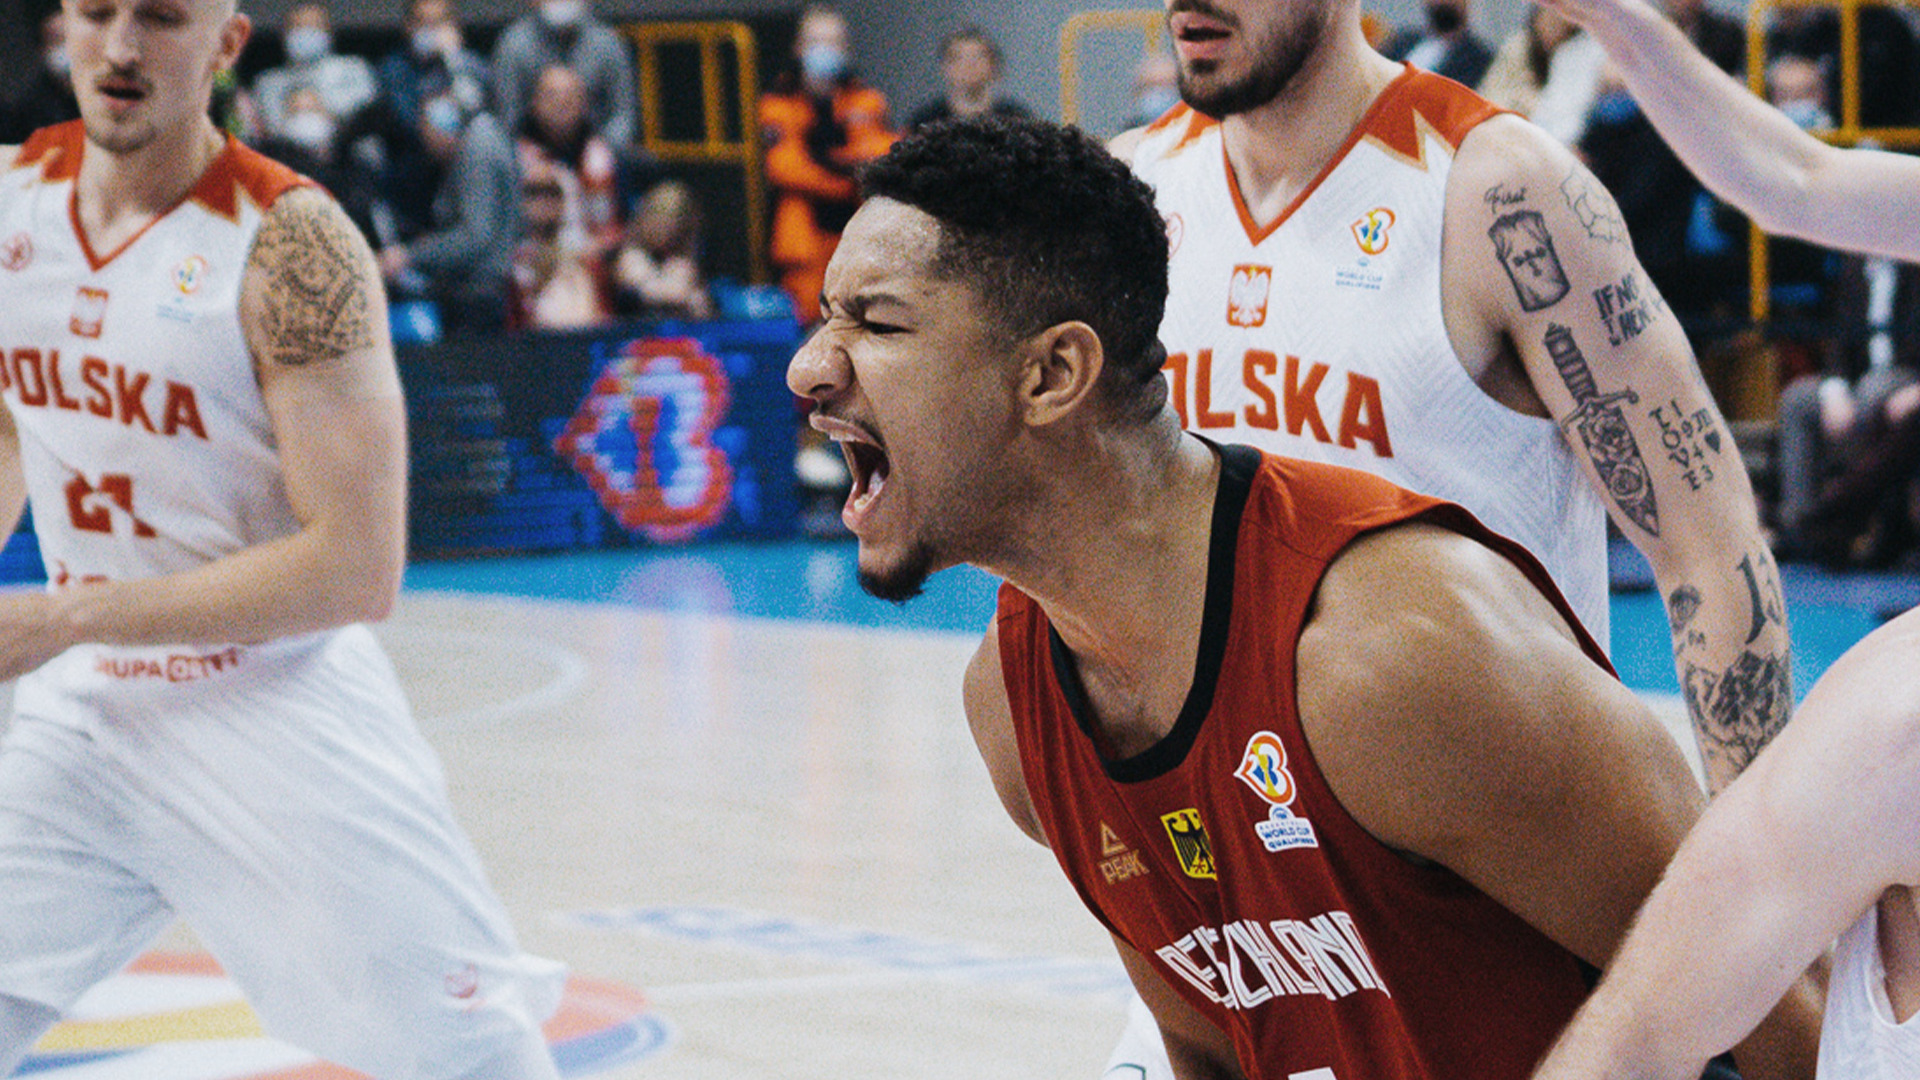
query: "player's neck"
1278, 149
115, 190
1121, 572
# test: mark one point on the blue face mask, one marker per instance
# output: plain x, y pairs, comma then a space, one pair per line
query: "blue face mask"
1808, 115
823, 63
444, 115
305, 44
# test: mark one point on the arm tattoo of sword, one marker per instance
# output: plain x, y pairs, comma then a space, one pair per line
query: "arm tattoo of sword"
1603, 430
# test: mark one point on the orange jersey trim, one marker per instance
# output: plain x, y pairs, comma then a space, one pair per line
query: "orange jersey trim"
235, 171
1413, 103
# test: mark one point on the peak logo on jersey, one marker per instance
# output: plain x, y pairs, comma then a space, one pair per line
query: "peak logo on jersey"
1176, 232
89, 312
188, 275
1247, 295
642, 438
1370, 232
1190, 842
17, 253
1264, 769
178, 1015
1117, 861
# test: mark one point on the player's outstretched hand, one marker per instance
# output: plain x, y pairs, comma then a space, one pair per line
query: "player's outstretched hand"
31, 633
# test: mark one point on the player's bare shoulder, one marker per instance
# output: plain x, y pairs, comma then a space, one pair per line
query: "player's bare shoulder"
990, 716
312, 291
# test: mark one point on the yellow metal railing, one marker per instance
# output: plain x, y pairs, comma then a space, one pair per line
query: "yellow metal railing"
1849, 133
717, 145
1151, 24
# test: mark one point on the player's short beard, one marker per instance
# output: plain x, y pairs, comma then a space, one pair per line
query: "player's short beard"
904, 580
120, 140
1279, 58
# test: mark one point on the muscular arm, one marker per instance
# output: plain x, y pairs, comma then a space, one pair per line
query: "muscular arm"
1784, 860
1613, 367
1459, 721
316, 322
1746, 151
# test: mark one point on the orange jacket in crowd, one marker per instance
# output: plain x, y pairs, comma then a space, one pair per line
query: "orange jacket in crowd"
813, 179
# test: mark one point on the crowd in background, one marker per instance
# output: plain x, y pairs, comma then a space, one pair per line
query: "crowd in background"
510, 190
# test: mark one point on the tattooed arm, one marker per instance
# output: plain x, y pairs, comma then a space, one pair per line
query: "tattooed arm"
1594, 344
1610, 364
316, 323
1821, 827
1745, 150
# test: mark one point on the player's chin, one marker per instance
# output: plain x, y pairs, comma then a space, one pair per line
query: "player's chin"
898, 576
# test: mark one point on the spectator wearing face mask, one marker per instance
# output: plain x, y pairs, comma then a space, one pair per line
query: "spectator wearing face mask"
463, 262
434, 61
820, 123
346, 84
565, 32
1446, 45
47, 98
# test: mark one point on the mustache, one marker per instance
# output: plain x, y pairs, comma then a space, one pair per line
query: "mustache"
1202, 7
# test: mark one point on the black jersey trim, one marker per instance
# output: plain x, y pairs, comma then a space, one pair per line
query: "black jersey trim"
1238, 467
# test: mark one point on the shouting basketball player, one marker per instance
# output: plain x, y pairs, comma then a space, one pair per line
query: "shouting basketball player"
1346, 778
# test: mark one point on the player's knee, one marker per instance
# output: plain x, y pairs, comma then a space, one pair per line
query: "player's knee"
21, 1025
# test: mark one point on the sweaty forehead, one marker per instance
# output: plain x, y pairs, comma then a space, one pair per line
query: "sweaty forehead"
886, 242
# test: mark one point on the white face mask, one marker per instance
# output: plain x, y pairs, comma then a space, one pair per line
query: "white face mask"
312, 130
305, 44
823, 62
563, 12
57, 61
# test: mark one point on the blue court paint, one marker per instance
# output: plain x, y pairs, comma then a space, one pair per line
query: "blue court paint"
816, 581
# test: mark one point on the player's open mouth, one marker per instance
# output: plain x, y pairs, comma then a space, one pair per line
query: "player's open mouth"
867, 462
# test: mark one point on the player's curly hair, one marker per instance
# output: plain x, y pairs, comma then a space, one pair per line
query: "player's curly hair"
1049, 228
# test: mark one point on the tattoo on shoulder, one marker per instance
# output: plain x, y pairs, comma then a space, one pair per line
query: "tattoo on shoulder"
1525, 249
318, 282
1500, 197
1595, 208
1601, 424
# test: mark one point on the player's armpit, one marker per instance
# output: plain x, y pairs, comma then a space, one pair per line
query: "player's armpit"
991, 718
1196, 1047
312, 297
1456, 719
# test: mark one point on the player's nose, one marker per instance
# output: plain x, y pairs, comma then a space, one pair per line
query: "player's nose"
819, 370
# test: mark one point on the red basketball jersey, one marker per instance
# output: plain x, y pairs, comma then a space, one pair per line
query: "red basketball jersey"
1222, 855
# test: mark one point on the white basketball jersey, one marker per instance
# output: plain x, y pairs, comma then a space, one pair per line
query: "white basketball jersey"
1859, 1039
146, 444
1321, 335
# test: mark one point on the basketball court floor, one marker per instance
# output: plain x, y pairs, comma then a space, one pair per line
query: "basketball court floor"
739, 799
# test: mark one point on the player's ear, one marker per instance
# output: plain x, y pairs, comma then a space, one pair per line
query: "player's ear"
1062, 371
233, 40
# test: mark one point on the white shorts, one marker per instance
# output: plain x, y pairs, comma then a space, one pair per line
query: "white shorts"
289, 811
